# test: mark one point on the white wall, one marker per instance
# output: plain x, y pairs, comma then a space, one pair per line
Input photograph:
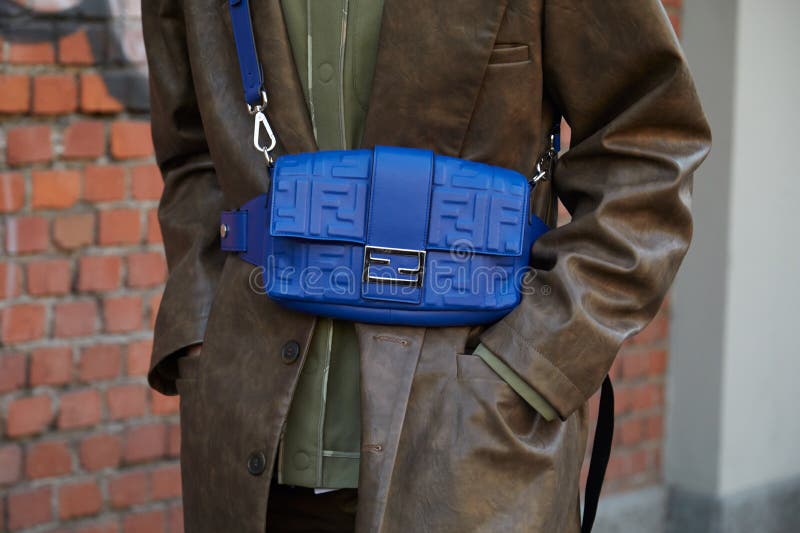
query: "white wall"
735, 371
760, 415
699, 295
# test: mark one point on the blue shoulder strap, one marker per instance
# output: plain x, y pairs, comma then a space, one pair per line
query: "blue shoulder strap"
252, 76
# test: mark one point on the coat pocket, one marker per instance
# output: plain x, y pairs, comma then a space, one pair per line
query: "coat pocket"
509, 53
499, 399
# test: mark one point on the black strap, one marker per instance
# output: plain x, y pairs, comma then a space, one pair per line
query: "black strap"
601, 451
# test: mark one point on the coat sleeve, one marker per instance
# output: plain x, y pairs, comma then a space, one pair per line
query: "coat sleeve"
188, 211
617, 73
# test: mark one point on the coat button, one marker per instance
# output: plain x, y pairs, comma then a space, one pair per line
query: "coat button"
290, 352
256, 463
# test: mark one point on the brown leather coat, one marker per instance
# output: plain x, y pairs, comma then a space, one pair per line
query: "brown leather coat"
447, 445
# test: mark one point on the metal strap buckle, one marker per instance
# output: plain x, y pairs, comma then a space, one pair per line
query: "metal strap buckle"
418, 272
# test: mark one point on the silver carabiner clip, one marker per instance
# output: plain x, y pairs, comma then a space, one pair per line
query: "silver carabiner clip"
541, 173
544, 167
546, 163
262, 122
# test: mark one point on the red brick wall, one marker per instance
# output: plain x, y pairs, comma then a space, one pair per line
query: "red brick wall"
85, 445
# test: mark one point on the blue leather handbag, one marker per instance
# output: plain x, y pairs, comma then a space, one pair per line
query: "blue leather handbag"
389, 235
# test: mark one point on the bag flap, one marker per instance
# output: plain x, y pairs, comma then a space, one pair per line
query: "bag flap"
325, 196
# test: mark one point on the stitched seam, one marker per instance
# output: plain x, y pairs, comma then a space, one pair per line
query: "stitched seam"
324, 401
342, 49
371, 186
310, 69
428, 199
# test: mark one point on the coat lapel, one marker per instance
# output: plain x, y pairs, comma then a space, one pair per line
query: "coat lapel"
430, 65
